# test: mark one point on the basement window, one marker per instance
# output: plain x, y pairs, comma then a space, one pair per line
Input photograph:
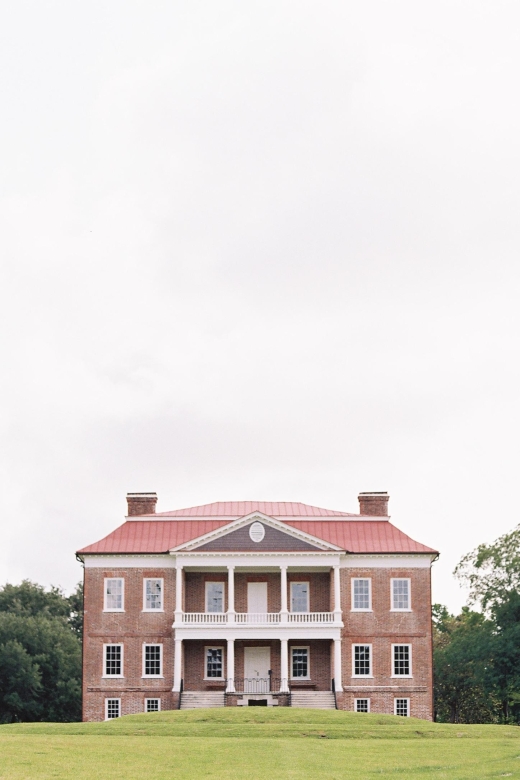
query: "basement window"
112, 708
152, 705
361, 705
402, 707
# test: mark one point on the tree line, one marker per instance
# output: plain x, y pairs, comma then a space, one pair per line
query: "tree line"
476, 654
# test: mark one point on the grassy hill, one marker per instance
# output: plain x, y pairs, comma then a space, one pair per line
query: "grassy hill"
256, 743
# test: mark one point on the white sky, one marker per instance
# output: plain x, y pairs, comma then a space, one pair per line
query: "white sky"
262, 250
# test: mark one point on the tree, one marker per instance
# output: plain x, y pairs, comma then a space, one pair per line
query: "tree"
492, 571
20, 684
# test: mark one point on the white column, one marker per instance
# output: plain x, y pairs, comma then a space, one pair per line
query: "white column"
177, 665
337, 595
337, 665
230, 666
283, 591
284, 666
178, 594
231, 596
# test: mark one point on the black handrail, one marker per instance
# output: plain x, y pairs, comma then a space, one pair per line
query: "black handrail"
333, 686
180, 695
258, 685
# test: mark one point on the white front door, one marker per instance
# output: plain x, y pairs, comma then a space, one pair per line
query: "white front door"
257, 662
257, 598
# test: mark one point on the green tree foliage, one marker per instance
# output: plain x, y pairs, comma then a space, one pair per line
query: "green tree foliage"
40, 653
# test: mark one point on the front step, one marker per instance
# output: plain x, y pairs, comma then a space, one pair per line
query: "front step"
191, 700
318, 700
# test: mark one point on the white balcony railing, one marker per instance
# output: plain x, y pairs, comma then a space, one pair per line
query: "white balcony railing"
256, 618
203, 618
310, 617
253, 618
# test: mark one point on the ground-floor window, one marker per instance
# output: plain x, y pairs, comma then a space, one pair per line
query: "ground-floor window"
152, 705
300, 663
402, 707
362, 705
214, 662
152, 660
112, 708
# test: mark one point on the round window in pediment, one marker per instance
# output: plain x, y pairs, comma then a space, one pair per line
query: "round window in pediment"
257, 532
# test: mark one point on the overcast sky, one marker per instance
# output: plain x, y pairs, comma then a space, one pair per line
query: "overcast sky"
262, 250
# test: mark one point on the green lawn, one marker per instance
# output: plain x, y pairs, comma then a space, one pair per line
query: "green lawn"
256, 743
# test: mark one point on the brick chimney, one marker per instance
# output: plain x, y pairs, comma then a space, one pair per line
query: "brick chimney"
141, 503
374, 503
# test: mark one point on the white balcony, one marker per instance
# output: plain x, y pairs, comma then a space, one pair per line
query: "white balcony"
202, 619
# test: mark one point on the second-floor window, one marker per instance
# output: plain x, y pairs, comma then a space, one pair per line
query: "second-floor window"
153, 595
152, 660
299, 596
361, 596
113, 661
214, 597
361, 661
114, 594
401, 601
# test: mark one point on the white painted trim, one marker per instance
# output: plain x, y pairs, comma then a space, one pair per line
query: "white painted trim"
148, 609
387, 561
300, 647
215, 582
361, 609
322, 561
300, 582
112, 609
369, 676
112, 698
400, 579
402, 698
105, 676
362, 698
402, 676
152, 698
145, 676
214, 647
235, 525
221, 632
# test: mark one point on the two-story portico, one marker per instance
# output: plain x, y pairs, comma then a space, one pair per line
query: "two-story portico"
257, 603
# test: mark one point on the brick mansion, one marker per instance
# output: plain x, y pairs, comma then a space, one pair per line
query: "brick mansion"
255, 603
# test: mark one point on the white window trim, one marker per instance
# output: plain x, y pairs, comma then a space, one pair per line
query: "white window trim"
300, 647
119, 609
214, 647
399, 579
402, 676
149, 609
361, 609
402, 698
113, 676
213, 582
152, 676
301, 582
152, 698
112, 698
362, 676
362, 698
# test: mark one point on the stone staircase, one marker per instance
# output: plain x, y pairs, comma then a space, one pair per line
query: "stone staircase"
318, 700
191, 700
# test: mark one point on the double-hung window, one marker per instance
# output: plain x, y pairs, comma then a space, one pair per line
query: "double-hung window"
401, 598
214, 597
152, 660
299, 596
112, 708
153, 595
113, 661
402, 707
362, 705
401, 660
361, 595
214, 663
361, 660
300, 663
152, 705
114, 594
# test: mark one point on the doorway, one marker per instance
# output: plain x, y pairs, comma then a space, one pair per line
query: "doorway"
256, 598
257, 662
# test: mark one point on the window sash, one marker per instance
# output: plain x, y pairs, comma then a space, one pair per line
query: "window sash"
299, 596
112, 708
152, 705
402, 707
214, 597
153, 594
114, 594
361, 596
362, 705
214, 663
300, 663
402, 660
401, 595
152, 661
113, 662
362, 661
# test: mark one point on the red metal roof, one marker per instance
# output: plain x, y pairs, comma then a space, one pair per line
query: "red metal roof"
241, 508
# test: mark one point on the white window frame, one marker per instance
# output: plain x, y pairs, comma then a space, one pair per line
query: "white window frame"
152, 676
113, 676
361, 676
364, 698
300, 647
301, 582
361, 609
401, 579
214, 647
206, 588
402, 676
152, 698
402, 698
151, 609
113, 609
112, 698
